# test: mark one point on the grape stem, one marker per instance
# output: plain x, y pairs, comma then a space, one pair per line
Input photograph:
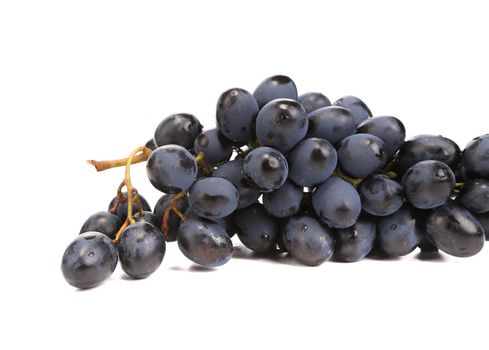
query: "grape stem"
172, 207
109, 164
119, 198
131, 191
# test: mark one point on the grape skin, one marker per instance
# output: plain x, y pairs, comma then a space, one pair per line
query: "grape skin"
380, 195
214, 145
284, 202
278, 86
102, 222
389, 129
178, 129
354, 243
312, 101
357, 107
475, 158
331, 123
266, 169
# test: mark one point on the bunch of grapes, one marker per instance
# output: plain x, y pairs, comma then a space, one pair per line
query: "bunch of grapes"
287, 174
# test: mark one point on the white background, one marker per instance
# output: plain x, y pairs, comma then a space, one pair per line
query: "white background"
92, 79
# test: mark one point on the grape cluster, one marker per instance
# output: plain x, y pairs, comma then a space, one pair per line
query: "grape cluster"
287, 174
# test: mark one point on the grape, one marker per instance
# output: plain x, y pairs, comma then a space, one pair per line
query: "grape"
313, 100
255, 228
428, 147
361, 155
398, 234
380, 195
278, 86
475, 196
150, 218
475, 158
454, 230
484, 221
307, 240
233, 172
122, 208
266, 169
174, 220
354, 243
141, 249
421, 217
151, 144
204, 242
312, 162
281, 124
236, 112
388, 129
212, 197
214, 145
89, 260
428, 184
357, 107
284, 202
102, 222
178, 129
171, 169
331, 123
337, 203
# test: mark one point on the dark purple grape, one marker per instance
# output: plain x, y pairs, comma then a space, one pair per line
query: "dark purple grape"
337, 203
122, 208
428, 147
475, 196
150, 218
204, 242
171, 169
256, 229
278, 86
380, 195
212, 197
313, 100
141, 249
281, 124
354, 243
484, 221
151, 144
266, 169
102, 222
174, 220
312, 162
214, 145
307, 240
454, 230
357, 107
331, 123
475, 158
178, 129
428, 184
89, 260
284, 202
388, 129
233, 172
236, 113
361, 155
398, 234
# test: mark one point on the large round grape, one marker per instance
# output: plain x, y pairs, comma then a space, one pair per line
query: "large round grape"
337, 203
281, 124
428, 147
284, 202
277, 86
475, 158
233, 172
307, 240
398, 234
380, 195
214, 145
428, 184
103, 222
204, 242
331, 123
89, 260
171, 169
312, 162
313, 100
266, 168
361, 155
212, 197
357, 107
389, 129
354, 243
454, 230
236, 112
178, 129
475, 196
174, 220
256, 229
141, 249
121, 211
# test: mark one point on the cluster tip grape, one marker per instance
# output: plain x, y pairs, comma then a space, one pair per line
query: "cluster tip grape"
287, 174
